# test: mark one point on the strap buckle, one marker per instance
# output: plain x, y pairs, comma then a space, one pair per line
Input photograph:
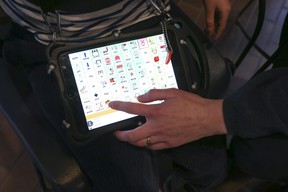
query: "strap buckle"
55, 30
160, 7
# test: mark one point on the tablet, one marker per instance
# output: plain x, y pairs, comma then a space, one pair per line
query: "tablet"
120, 71
92, 74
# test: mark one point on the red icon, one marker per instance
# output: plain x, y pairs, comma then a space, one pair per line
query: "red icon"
117, 58
119, 66
124, 46
156, 59
108, 60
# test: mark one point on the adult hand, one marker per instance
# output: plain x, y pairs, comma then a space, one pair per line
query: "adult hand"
216, 26
182, 117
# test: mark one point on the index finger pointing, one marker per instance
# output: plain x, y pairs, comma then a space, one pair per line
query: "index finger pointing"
129, 107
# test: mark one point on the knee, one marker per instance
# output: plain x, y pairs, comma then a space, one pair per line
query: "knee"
264, 157
204, 167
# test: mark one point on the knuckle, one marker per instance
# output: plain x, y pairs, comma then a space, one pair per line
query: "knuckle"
130, 138
150, 93
210, 24
156, 112
227, 9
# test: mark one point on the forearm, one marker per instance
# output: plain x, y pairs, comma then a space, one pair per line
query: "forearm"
260, 107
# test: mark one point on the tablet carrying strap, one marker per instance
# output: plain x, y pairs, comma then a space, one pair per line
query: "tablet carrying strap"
51, 6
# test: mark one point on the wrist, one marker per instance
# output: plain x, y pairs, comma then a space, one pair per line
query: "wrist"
216, 123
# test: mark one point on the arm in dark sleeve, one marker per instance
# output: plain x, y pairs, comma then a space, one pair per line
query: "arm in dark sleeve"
260, 107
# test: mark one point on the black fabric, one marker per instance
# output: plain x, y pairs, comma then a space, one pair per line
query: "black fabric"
263, 157
48, 5
284, 31
282, 57
20, 48
1, 48
73, 6
202, 164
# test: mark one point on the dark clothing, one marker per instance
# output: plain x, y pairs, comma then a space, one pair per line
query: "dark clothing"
263, 157
259, 108
72, 6
257, 117
110, 164
282, 57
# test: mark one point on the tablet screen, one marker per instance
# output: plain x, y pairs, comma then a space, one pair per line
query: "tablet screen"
120, 71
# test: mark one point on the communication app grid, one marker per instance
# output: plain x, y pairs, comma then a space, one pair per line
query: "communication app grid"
122, 72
